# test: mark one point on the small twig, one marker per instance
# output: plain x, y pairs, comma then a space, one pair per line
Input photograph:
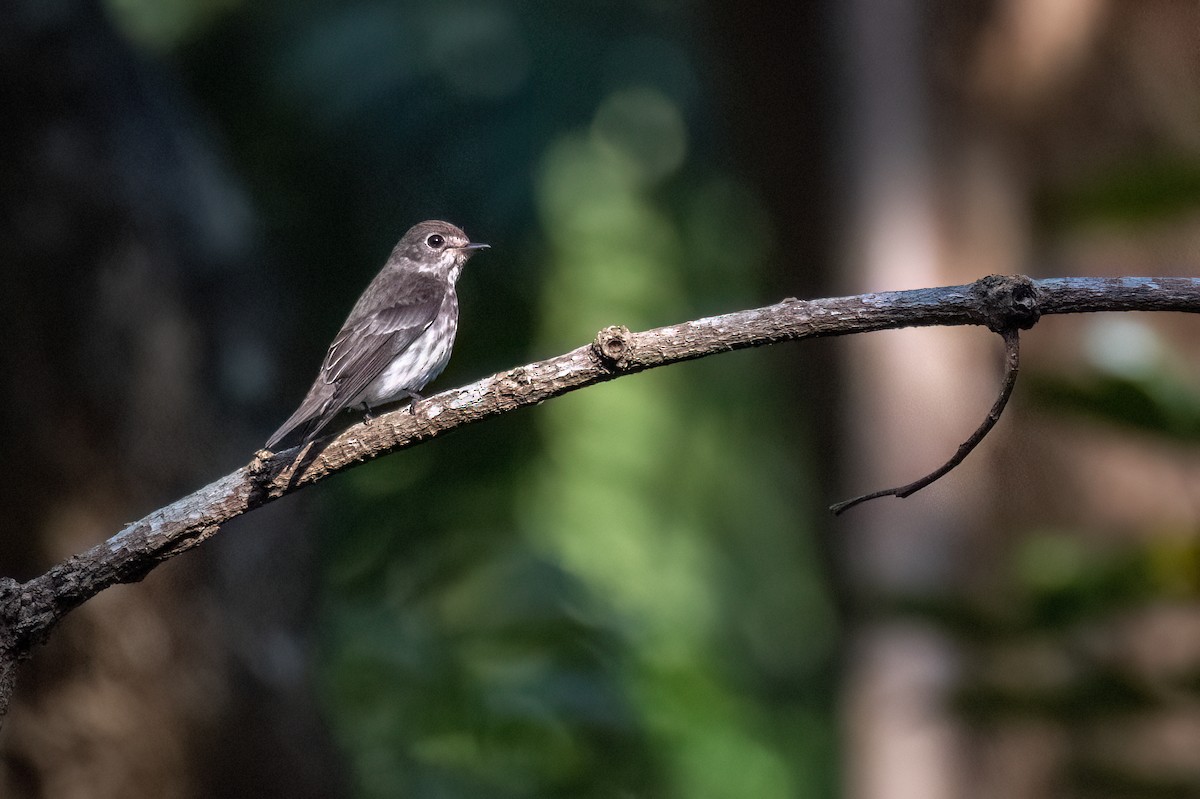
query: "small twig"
1012, 362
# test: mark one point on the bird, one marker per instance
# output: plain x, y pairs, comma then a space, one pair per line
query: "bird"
398, 336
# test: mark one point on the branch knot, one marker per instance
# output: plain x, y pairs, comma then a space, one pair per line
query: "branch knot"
613, 347
1009, 302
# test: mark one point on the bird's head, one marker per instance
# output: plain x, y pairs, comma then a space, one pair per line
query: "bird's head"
437, 247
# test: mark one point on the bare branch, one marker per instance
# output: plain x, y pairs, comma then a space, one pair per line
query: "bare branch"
28, 611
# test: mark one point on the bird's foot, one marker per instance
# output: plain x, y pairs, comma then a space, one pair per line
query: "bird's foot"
368, 415
413, 399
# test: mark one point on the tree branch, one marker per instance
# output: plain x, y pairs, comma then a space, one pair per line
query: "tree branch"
28, 611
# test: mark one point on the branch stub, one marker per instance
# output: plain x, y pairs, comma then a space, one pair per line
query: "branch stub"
1008, 302
612, 347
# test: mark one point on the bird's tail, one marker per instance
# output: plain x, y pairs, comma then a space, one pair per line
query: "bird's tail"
307, 422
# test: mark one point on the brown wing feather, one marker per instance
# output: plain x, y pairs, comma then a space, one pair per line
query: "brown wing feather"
358, 355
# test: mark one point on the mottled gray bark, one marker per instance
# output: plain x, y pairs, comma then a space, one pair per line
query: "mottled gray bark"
29, 611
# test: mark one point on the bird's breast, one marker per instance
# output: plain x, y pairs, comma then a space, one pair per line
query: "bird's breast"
419, 363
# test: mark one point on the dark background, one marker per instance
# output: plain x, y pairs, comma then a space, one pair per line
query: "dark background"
634, 590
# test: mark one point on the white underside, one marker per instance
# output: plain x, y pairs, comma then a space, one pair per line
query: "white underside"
416, 367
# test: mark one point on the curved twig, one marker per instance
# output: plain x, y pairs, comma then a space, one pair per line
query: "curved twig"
1012, 363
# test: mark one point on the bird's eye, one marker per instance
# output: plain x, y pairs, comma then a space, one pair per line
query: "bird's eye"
435, 241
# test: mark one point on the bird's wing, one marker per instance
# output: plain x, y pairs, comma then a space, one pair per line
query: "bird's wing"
361, 351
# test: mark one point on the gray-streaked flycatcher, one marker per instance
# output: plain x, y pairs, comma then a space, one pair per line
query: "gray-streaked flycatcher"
397, 338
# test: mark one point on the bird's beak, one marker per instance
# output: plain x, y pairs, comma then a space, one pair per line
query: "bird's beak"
475, 246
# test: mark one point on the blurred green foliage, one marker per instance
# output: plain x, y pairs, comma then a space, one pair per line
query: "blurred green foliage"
1146, 189
1050, 644
1158, 402
615, 594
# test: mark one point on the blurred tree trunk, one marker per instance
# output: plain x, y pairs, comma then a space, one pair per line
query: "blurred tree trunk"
129, 298
786, 147
960, 117
909, 403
